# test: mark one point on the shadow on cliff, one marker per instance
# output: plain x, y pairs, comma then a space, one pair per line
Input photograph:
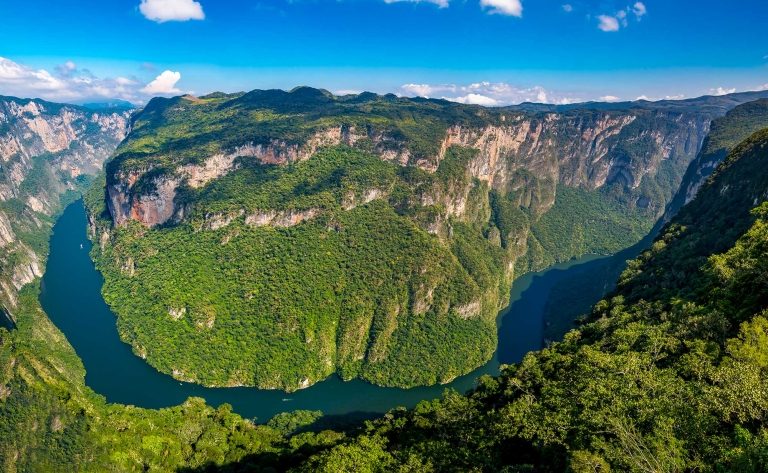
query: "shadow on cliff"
285, 459
6, 321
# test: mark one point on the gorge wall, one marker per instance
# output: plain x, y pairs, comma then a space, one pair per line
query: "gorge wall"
46, 149
290, 198
587, 149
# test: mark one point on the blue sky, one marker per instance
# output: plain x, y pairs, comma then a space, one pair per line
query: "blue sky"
482, 51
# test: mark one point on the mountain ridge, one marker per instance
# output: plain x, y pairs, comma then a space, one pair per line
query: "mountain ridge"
268, 169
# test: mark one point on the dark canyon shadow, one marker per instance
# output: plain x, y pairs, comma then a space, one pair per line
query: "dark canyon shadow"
6, 321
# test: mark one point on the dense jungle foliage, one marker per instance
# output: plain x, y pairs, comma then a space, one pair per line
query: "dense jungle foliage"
363, 292
574, 296
348, 260
360, 289
668, 373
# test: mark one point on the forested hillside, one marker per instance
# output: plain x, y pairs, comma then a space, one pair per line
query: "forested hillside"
48, 153
573, 297
668, 373
303, 234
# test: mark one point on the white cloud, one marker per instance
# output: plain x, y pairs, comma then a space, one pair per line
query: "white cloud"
124, 81
608, 23
622, 17
504, 7
611, 23
164, 84
568, 8
423, 90
70, 84
171, 10
639, 10
609, 98
439, 3
721, 91
474, 99
761, 88
656, 99
489, 93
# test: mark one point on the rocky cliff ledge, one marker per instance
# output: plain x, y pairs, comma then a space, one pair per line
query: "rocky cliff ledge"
581, 148
45, 150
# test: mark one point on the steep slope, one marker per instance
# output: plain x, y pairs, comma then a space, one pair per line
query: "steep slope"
49, 419
667, 374
574, 296
302, 234
190, 141
46, 150
726, 133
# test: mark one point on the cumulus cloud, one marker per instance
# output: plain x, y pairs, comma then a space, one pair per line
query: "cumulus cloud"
721, 91
171, 10
608, 23
66, 69
476, 99
489, 93
622, 17
503, 7
164, 84
568, 8
761, 88
70, 84
639, 10
609, 98
611, 23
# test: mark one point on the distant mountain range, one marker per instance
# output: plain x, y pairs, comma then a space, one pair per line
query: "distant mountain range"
716, 105
109, 103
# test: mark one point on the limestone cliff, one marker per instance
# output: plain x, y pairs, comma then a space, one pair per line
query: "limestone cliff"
45, 150
728, 131
587, 150
359, 230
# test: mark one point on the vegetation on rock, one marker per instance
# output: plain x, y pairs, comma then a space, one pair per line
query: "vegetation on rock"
303, 234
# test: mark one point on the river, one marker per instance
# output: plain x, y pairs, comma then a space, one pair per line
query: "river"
71, 296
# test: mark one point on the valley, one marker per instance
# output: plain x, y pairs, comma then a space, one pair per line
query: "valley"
300, 234
330, 205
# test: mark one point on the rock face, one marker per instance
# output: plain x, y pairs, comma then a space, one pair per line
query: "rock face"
44, 149
586, 149
727, 132
362, 181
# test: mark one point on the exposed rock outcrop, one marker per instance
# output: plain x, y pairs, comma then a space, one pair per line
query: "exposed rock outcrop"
58, 142
279, 219
582, 150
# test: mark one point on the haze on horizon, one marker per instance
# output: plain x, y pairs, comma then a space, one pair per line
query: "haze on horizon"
487, 52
